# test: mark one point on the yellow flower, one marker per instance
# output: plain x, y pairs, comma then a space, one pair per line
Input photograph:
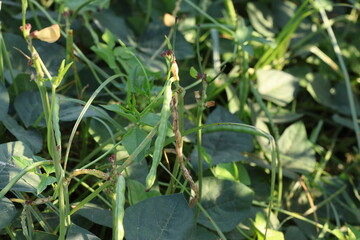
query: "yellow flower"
49, 34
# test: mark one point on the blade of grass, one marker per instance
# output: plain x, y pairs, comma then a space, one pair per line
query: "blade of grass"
344, 70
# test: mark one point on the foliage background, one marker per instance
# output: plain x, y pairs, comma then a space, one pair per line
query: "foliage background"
273, 65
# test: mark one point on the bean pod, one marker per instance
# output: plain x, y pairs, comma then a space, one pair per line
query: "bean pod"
159, 142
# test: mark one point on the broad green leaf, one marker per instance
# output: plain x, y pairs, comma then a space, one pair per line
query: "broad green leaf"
7, 212
29, 108
150, 119
137, 192
87, 5
223, 147
132, 140
106, 54
231, 171
70, 111
4, 101
153, 37
296, 152
46, 180
30, 137
227, 202
78, 233
354, 233
9, 167
164, 217
201, 233
138, 171
21, 84
260, 225
277, 86
36, 235
260, 18
336, 98
102, 132
96, 214
293, 232
105, 19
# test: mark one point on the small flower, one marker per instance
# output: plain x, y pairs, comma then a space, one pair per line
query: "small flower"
112, 159
27, 28
167, 53
49, 34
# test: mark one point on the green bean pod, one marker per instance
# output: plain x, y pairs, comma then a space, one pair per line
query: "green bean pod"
118, 209
160, 140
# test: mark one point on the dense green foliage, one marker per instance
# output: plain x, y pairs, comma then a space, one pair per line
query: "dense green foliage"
235, 120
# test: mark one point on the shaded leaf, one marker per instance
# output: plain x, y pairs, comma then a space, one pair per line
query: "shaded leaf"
4, 101
29, 108
277, 86
30, 137
227, 202
164, 217
45, 181
96, 214
132, 140
296, 152
9, 168
201, 233
223, 147
7, 212
78, 233
137, 192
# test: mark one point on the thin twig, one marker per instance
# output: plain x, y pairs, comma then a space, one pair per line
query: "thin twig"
179, 148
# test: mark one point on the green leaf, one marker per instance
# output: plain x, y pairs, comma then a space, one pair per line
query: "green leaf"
223, 147
121, 111
49, 168
354, 233
293, 232
78, 233
9, 167
132, 140
323, 92
7, 212
201, 233
46, 180
106, 54
260, 225
227, 202
61, 73
296, 152
165, 217
106, 19
231, 171
277, 86
4, 101
108, 38
260, 18
96, 214
137, 192
30, 137
193, 72
29, 108
93, 6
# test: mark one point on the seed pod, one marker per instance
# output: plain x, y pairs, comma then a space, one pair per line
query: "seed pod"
118, 209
